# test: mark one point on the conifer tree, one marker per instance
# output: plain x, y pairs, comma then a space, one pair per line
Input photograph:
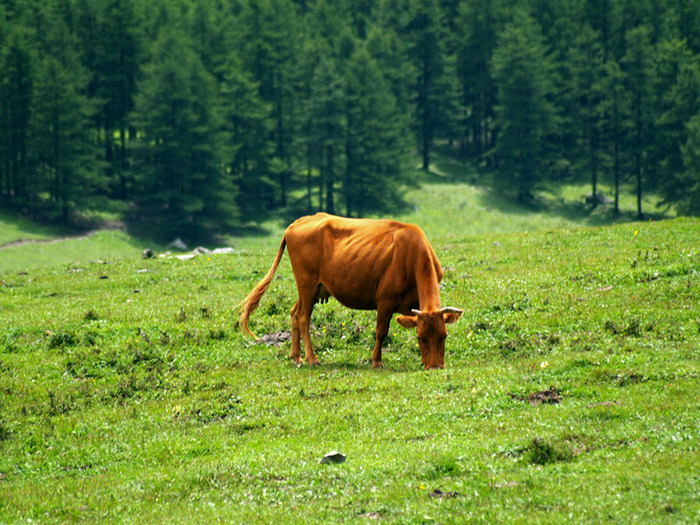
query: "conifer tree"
478, 24
178, 164
111, 52
17, 75
389, 50
64, 159
676, 77
430, 96
525, 115
327, 128
247, 139
612, 128
584, 116
376, 143
270, 41
689, 178
639, 114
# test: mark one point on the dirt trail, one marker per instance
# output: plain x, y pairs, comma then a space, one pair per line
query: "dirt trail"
22, 242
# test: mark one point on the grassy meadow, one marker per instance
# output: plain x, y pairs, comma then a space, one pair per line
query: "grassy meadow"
570, 392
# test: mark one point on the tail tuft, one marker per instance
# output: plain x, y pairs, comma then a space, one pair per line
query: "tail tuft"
251, 301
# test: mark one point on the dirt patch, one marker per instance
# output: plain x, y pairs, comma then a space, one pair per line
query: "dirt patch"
275, 338
109, 226
548, 397
438, 494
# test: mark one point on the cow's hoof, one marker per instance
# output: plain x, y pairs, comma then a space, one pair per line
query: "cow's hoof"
314, 362
377, 364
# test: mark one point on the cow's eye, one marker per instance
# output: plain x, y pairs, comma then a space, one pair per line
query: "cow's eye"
422, 340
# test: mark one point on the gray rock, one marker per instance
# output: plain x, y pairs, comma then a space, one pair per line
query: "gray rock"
178, 244
333, 457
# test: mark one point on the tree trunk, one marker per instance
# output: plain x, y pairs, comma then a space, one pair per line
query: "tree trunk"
330, 204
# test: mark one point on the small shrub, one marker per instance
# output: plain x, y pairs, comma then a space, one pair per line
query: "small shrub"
181, 316
217, 335
4, 431
443, 467
541, 452
8, 342
90, 315
62, 340
60, 403
632, 328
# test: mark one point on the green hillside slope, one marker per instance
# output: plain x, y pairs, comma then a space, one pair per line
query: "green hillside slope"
569, 395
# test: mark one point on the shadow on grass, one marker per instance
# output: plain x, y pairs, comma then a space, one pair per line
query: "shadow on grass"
547, 199
366, 366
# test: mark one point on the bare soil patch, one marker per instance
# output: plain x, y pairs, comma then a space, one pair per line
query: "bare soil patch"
550, 396
275, 338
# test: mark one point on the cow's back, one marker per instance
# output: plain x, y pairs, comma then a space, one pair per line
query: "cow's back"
355, 259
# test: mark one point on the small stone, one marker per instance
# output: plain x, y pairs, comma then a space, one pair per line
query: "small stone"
333, 457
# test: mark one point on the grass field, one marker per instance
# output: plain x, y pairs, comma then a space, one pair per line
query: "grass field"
452, 199
127, 394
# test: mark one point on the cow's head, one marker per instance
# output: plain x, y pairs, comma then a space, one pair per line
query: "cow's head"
432, 332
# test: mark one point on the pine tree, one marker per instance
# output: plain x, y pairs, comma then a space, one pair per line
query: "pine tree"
584, 118
17, 73
525, 115
247, 132
65, 161
676, 76
639, 105
178, 164
326, 130
431, 98
111, 51
376, 144
478, 25
689, 178
613, 135
389, 50
270, 43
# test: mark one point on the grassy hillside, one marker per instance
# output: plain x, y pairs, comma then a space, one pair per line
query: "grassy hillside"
126, 394
14, 229
451, 200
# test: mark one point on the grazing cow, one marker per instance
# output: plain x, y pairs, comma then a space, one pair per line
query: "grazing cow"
365, 264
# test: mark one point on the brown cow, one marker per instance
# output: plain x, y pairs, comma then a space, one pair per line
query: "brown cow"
365, 264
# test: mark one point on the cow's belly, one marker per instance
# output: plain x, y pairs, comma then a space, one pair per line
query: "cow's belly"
356, 288
352, 296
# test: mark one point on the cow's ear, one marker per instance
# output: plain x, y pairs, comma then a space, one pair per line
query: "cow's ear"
407, 321
452, 317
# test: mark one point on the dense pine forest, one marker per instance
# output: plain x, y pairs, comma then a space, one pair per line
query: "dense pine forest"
202, 115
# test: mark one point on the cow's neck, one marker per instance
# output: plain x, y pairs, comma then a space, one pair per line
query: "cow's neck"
428, 286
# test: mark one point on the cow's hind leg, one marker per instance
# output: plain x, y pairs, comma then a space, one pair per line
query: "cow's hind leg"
296, 344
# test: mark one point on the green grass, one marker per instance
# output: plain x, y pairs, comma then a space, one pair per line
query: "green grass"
127, 395
453, 199
14, 229
103, 245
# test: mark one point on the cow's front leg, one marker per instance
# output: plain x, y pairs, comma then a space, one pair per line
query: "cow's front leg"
384, 313
306, 306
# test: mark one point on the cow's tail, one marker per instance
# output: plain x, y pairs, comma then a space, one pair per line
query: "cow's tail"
250, 303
